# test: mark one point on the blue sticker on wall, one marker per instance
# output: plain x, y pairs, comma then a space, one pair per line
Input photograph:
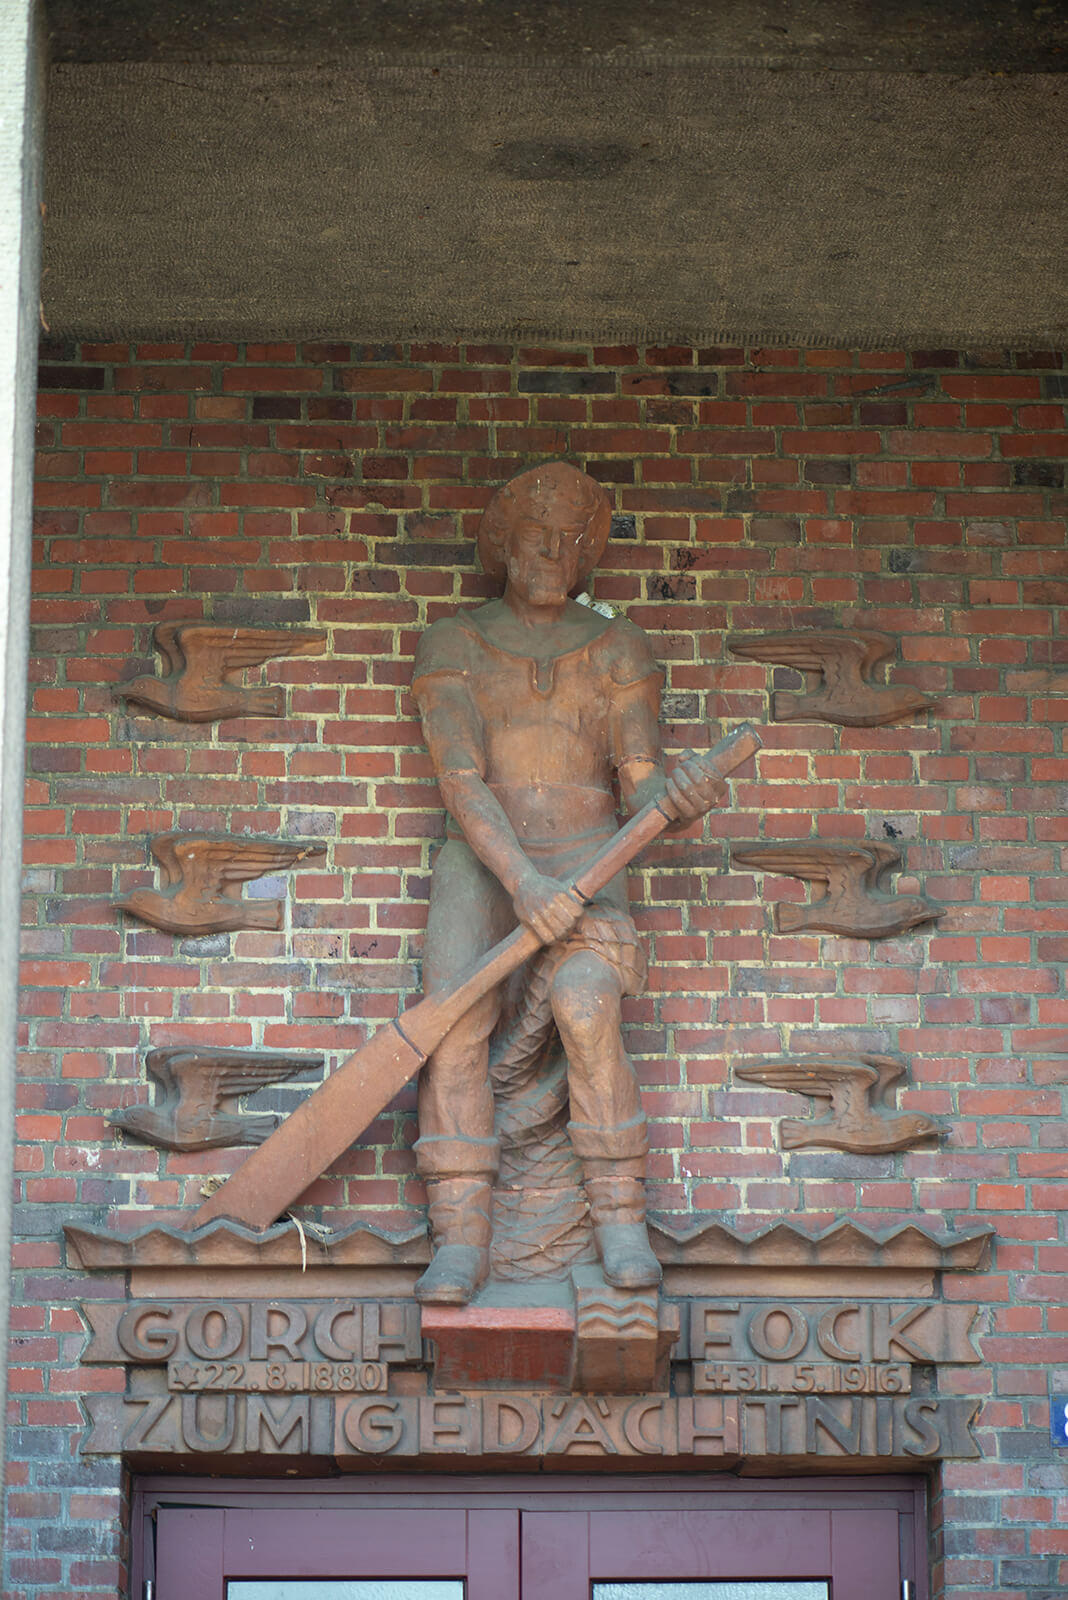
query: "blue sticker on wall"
1058, 1419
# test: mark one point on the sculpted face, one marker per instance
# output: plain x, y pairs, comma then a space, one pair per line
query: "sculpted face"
544, 550
543, 531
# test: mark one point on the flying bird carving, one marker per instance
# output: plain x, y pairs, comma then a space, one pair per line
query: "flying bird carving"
196, 1096
205, 873
860, 1118
852, 903
204, 661
846, 659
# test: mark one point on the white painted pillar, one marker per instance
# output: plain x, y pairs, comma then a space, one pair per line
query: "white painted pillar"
22, 85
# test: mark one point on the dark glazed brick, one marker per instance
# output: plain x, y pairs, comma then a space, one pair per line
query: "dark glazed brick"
838, 1164
1032, 474
1056, 388
1031, 1446
702, 383
672, 413
84, 1473
984, 360
279, 407
611, 471
934, 358
674, 586
904, 560
721, 355
377, 352
57, 350
567, 383
329, 408
459, 554
36, 1443
1019, 1571
70, 377
623, 527
265, 611
1037, 358
828, 471
883, 413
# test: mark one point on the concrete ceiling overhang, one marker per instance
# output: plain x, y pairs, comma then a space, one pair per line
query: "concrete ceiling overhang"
742, 172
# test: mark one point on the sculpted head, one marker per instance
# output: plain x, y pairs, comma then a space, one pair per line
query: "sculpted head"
545, 530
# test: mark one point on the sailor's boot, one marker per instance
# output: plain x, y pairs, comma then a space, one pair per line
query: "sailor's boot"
613, 1166
461, 1217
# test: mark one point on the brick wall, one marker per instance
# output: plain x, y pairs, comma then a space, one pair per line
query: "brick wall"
919, 493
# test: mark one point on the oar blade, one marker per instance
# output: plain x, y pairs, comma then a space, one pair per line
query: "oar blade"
316, 1133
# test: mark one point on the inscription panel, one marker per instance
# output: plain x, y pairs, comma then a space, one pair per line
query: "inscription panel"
854, 1332
244, 1333
278, 1377
805, 1380
799, 1377
835, 1427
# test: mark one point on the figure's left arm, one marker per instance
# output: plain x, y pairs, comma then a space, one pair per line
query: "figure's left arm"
636, 751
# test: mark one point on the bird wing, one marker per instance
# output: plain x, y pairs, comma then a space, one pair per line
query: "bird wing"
812, 862
190, 1081
807, 652
215, 651
244, 859
241, 1075
165, 848
877, 647
205, 1078
837, 1079
168, 642
160, 1064
211, 864
888, 1070
884, 855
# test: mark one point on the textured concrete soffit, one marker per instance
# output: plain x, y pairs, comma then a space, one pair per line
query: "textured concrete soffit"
552, 202
862, 35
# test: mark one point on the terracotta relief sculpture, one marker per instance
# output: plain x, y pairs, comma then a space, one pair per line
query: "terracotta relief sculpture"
845, 659
533, 708
196, 1095
852, 903
328, 1121
860, 1118
205, 873
205, 661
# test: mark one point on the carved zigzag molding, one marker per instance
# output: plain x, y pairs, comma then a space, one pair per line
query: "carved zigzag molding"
708, 1243
841, 1244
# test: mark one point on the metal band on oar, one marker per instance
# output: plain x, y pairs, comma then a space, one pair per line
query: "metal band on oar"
339, 1110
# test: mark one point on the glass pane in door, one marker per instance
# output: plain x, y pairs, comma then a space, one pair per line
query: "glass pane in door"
802, 1589
345, 1589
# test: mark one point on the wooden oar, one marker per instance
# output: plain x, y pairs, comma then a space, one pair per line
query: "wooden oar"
328, 1121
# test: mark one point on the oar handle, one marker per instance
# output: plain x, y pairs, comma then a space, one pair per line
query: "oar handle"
645, 826
650, 822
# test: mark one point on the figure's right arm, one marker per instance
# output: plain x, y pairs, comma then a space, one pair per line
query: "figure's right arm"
454, 735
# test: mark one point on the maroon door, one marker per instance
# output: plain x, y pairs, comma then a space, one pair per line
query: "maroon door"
199, 1550
855, 1552
565, 1539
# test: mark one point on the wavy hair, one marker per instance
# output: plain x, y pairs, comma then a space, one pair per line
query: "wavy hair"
534, 492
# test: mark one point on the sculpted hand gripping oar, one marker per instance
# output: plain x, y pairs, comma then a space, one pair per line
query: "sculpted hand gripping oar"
338, 1111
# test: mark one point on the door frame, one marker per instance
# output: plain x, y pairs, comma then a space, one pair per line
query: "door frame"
563, 1492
